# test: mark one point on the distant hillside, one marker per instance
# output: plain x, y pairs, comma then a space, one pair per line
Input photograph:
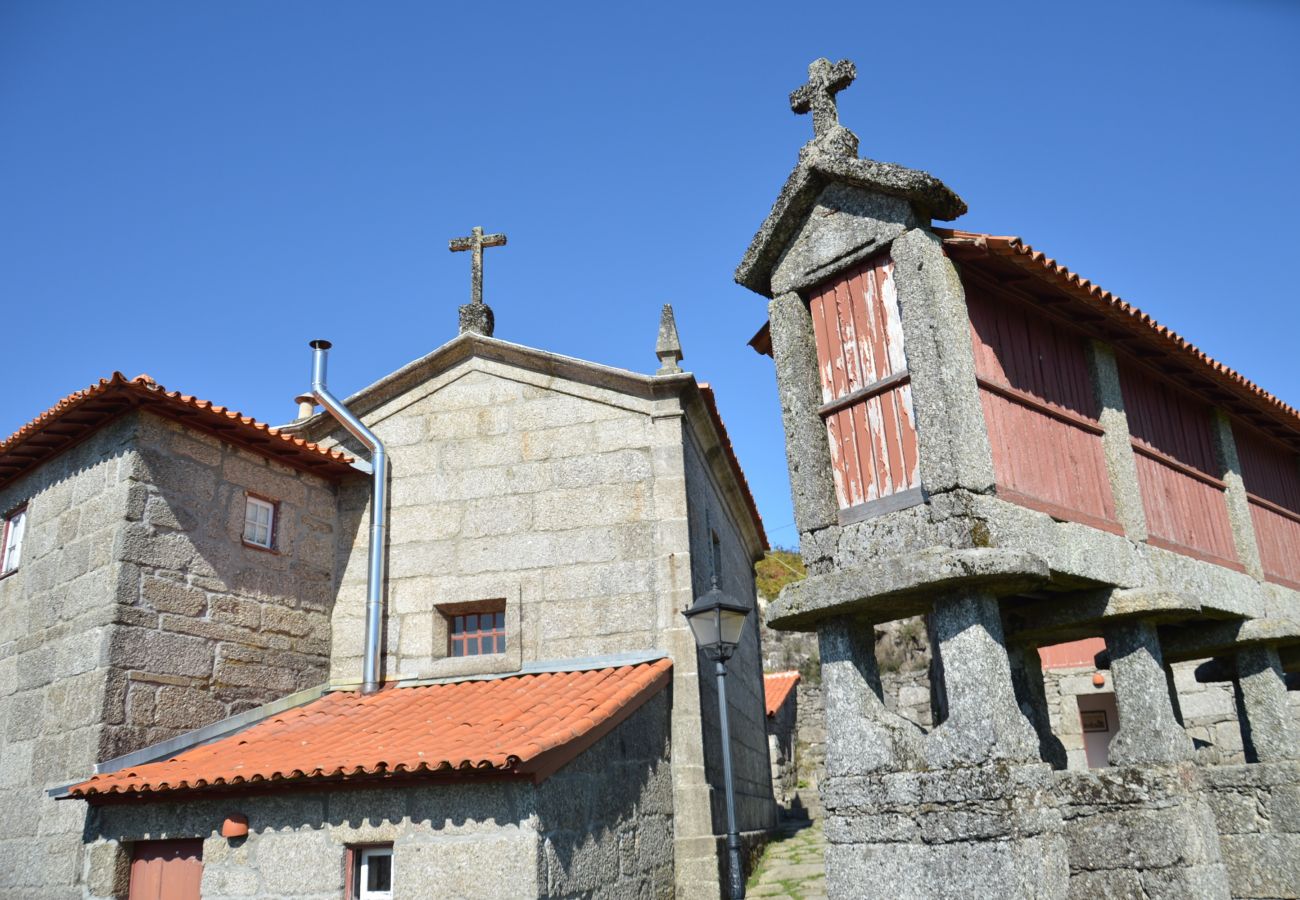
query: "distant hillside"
777, 569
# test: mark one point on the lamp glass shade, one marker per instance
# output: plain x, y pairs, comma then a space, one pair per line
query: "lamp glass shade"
717, 622
733, 623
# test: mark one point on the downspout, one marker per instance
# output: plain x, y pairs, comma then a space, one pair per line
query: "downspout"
378, 513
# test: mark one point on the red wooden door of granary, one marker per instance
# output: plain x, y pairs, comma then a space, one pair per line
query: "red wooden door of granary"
1040, 410
1177, 467
1271, 474
166, 870
867, 399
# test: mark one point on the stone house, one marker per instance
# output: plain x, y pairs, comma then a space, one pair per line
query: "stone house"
977, 435
183, 677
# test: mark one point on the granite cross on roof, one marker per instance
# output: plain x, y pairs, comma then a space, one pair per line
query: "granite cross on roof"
475, 243
825, 80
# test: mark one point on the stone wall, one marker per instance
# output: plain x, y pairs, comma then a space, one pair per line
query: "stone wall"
504, 488
709, 516
54, 647
137, 614
1257, 810
600, 827
207, 626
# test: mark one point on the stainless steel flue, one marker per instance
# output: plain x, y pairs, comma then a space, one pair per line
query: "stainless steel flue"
378, 513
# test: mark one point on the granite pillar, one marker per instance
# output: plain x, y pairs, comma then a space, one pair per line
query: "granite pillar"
808, 453
1268, 728
1148, 729
1027, 680
984, 721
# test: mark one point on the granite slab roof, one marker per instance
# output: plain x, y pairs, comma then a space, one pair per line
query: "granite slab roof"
82, 412
776, 689
515, 726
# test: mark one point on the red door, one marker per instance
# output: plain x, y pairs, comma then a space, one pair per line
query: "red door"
166, 870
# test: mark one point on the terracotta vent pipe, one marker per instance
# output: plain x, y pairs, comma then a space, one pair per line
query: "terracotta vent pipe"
370, 681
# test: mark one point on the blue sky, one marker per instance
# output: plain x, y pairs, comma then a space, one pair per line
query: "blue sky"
196, 190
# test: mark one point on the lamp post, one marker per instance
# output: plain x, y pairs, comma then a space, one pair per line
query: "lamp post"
717, 621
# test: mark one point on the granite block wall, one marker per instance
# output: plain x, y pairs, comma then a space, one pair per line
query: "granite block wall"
136, 614
206, 625
55, 636
600, 827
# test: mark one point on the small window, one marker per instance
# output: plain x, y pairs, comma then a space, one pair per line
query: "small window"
259, 522
15, 525
373, 879
477, 634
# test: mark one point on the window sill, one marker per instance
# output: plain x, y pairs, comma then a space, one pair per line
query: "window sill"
260, 548
13, 571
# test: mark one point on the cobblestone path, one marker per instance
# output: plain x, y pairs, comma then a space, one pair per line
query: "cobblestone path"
792, 867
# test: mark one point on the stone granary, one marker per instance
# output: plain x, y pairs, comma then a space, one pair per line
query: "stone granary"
186, 595
978, 435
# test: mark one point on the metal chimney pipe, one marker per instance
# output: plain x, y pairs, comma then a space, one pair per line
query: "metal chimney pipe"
378, 512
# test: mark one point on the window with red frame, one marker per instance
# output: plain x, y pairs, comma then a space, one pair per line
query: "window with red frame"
477, 634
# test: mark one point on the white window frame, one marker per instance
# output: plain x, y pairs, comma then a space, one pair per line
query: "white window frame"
11, 543
364, 855
252, 504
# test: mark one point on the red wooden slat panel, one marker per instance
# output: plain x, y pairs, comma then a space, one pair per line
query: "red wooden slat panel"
1174, 442
1053, 462
1271, 473
166, 870
859, 341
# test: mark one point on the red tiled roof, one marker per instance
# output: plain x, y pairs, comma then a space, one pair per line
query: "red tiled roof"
79, 414
711, 404
1113, 320
776, 689
521, 725
1118, 322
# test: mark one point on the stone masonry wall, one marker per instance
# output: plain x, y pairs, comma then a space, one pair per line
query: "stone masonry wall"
207, 626
136, 614
1257, 809
600, 827
54, 640
508, 490
751, 766
1209, 712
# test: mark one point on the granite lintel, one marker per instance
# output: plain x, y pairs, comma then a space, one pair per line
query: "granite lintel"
1200, 640
895, 587
1075, 615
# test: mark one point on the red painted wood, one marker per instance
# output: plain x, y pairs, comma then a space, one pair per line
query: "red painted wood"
859, 341
1177, 472
1072, 655
166, 870
1039, 409
1271, 474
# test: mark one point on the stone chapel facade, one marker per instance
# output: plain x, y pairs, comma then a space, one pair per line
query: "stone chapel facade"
180, 700
977, 435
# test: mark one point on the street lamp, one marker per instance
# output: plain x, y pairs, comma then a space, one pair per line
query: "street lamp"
717, 621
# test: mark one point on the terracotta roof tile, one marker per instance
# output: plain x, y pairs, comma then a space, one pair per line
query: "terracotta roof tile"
522, 725
80, 413
1128, 323
1125, 323
711, 403
776, 689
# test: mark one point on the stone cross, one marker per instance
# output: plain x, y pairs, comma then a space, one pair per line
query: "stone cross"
825, 80
475, 243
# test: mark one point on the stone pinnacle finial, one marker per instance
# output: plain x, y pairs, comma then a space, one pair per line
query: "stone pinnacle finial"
476, 315
825, 80
668, 348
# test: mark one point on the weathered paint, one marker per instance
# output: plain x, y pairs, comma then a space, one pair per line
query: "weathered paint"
1040, 410
166, 870
1178, 474
1073, 654
872, 433
1271, 474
